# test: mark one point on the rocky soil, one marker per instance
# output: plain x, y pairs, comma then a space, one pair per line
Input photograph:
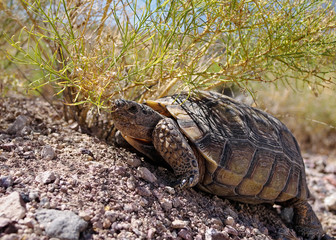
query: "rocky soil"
57, 183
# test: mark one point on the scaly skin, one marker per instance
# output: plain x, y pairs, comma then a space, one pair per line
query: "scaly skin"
175, 150
305, 221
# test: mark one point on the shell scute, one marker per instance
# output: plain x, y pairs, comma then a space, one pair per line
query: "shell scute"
232, 121
292, 188
258, 174
278, 178
235, 162
262, 130
289, 145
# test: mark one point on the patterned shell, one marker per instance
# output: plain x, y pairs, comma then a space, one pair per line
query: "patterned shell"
249, 155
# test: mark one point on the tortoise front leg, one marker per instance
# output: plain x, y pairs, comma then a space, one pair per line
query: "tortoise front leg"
175, 150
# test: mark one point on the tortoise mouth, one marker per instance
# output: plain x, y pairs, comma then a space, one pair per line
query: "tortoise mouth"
142, 141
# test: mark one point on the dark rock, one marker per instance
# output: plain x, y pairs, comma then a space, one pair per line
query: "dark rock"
7, 146
61, 224
87, 152
6, 181
18, 125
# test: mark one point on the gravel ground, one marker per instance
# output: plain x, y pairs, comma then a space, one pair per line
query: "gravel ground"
68, 185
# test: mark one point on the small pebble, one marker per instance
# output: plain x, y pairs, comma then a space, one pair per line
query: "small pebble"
64, 189
143, 202
33, 195
179, 224
264, 230
198, 237
88, 152
46, 177
8, 146
6, 181
129, 207
12, 206
231, 230
230, 221
111, 215
74, 126
185, 234
176, 202
216, 221
256, 231
86, 215
29, 222
330, 202
48, 153
213, 234
12, 236
170, 189
106, 223
121, 170
145, 174
331, 178
134, 162
151, 233
130, 184
97, 225
17, 126
166, 204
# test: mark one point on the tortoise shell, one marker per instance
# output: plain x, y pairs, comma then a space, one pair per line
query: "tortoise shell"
249, 155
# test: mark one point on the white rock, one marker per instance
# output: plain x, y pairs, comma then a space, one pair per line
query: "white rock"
4, 222
229, 221
180, 224
46, 177
170, 190
12, 207
330, 202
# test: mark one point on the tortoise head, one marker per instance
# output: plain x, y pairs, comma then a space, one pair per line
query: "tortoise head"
134, 120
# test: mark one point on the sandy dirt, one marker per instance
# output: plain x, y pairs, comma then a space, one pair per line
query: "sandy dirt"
121, 196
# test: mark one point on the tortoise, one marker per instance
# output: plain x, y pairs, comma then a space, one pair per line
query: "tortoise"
223, 147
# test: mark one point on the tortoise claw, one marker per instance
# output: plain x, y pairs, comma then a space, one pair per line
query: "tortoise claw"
185, 182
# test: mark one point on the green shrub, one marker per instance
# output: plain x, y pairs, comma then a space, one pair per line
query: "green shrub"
89, 54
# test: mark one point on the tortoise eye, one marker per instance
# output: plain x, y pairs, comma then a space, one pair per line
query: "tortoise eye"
133, 109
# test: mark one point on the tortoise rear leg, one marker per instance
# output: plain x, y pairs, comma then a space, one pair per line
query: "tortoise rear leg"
174, 148
305, 221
